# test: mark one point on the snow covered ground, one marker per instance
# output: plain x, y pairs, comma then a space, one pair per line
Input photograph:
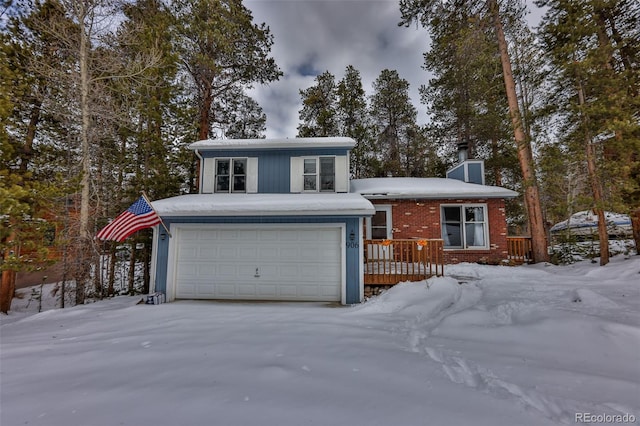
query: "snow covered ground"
530, 345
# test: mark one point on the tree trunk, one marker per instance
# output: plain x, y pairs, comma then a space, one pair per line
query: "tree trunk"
497, 171
85, 239
635, 225
8, 283
7, 289
112, 271
132, 269
27, 149
205, 110
594, 180
525, 156
596, 188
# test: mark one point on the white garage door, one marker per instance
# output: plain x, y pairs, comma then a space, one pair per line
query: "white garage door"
265, 263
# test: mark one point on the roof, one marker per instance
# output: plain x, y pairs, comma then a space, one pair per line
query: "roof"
264, 205
279, 143
428, 188
588, 219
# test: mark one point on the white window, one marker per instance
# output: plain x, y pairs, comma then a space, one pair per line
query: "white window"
231, 175
464, 226
379, 226
319, 174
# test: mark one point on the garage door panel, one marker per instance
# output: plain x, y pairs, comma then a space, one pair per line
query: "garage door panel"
188, 252
291, 272
292, 263
224, 252
246, 290
264, 290
267, 235
267, 253
223, 271
288, 291
247, 253
205, 290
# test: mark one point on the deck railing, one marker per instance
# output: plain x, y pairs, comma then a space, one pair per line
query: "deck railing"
519, 249
389, 262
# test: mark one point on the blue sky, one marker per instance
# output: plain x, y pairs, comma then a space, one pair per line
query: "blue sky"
313, 36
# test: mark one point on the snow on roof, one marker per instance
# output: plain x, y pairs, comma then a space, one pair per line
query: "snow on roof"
279, 143
406, 187
588, 219
264, 205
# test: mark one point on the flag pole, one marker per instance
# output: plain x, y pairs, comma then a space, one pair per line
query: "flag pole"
144, 194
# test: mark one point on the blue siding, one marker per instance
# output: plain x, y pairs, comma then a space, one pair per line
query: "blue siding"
475, 173
352, 250
274, 166
274, 173
456, 173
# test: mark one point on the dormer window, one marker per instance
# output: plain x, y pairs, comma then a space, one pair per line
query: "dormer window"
231, 175
319, 174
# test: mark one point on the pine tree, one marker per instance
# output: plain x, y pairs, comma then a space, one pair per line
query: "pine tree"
27, 187
394, 118
472, 21
221, 48
596, 56
354, 122
238, 116
319, 113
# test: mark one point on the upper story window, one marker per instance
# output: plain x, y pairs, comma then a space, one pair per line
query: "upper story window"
319, 174
464, 226
231, 175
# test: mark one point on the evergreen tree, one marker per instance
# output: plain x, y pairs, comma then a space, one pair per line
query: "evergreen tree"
472, 21
596, 57
319, 108
237, 116
220, 49
394, 118
354, 122
27, 186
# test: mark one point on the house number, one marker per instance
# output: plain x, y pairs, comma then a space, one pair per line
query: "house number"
353, 244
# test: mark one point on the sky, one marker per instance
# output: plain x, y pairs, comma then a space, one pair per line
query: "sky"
314, 36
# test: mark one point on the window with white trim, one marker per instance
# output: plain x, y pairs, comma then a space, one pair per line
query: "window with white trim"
231, 175
464, 226
319, 174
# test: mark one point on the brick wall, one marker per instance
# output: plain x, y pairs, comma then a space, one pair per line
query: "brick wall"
421, 219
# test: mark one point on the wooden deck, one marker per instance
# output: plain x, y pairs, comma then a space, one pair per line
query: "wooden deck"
519, 249
388, 262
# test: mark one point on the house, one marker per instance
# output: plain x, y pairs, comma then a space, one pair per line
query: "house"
279, 219
470, 218
273, 220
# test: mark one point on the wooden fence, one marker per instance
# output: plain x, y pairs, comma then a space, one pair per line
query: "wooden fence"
389, 262
519, 249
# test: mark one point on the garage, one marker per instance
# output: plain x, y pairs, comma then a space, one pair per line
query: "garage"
288, 262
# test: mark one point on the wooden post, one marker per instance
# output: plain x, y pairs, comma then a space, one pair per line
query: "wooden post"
635, 225
8, 283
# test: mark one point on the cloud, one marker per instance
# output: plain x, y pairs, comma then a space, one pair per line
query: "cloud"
313, 36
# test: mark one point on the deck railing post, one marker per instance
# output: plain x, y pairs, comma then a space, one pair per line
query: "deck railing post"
388, 262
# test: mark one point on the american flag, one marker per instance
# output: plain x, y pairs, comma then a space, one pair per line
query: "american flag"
139, 216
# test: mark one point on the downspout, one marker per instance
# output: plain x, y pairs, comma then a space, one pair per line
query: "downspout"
200, 171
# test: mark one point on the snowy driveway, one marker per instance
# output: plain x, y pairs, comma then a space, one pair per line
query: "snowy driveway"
512, 346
